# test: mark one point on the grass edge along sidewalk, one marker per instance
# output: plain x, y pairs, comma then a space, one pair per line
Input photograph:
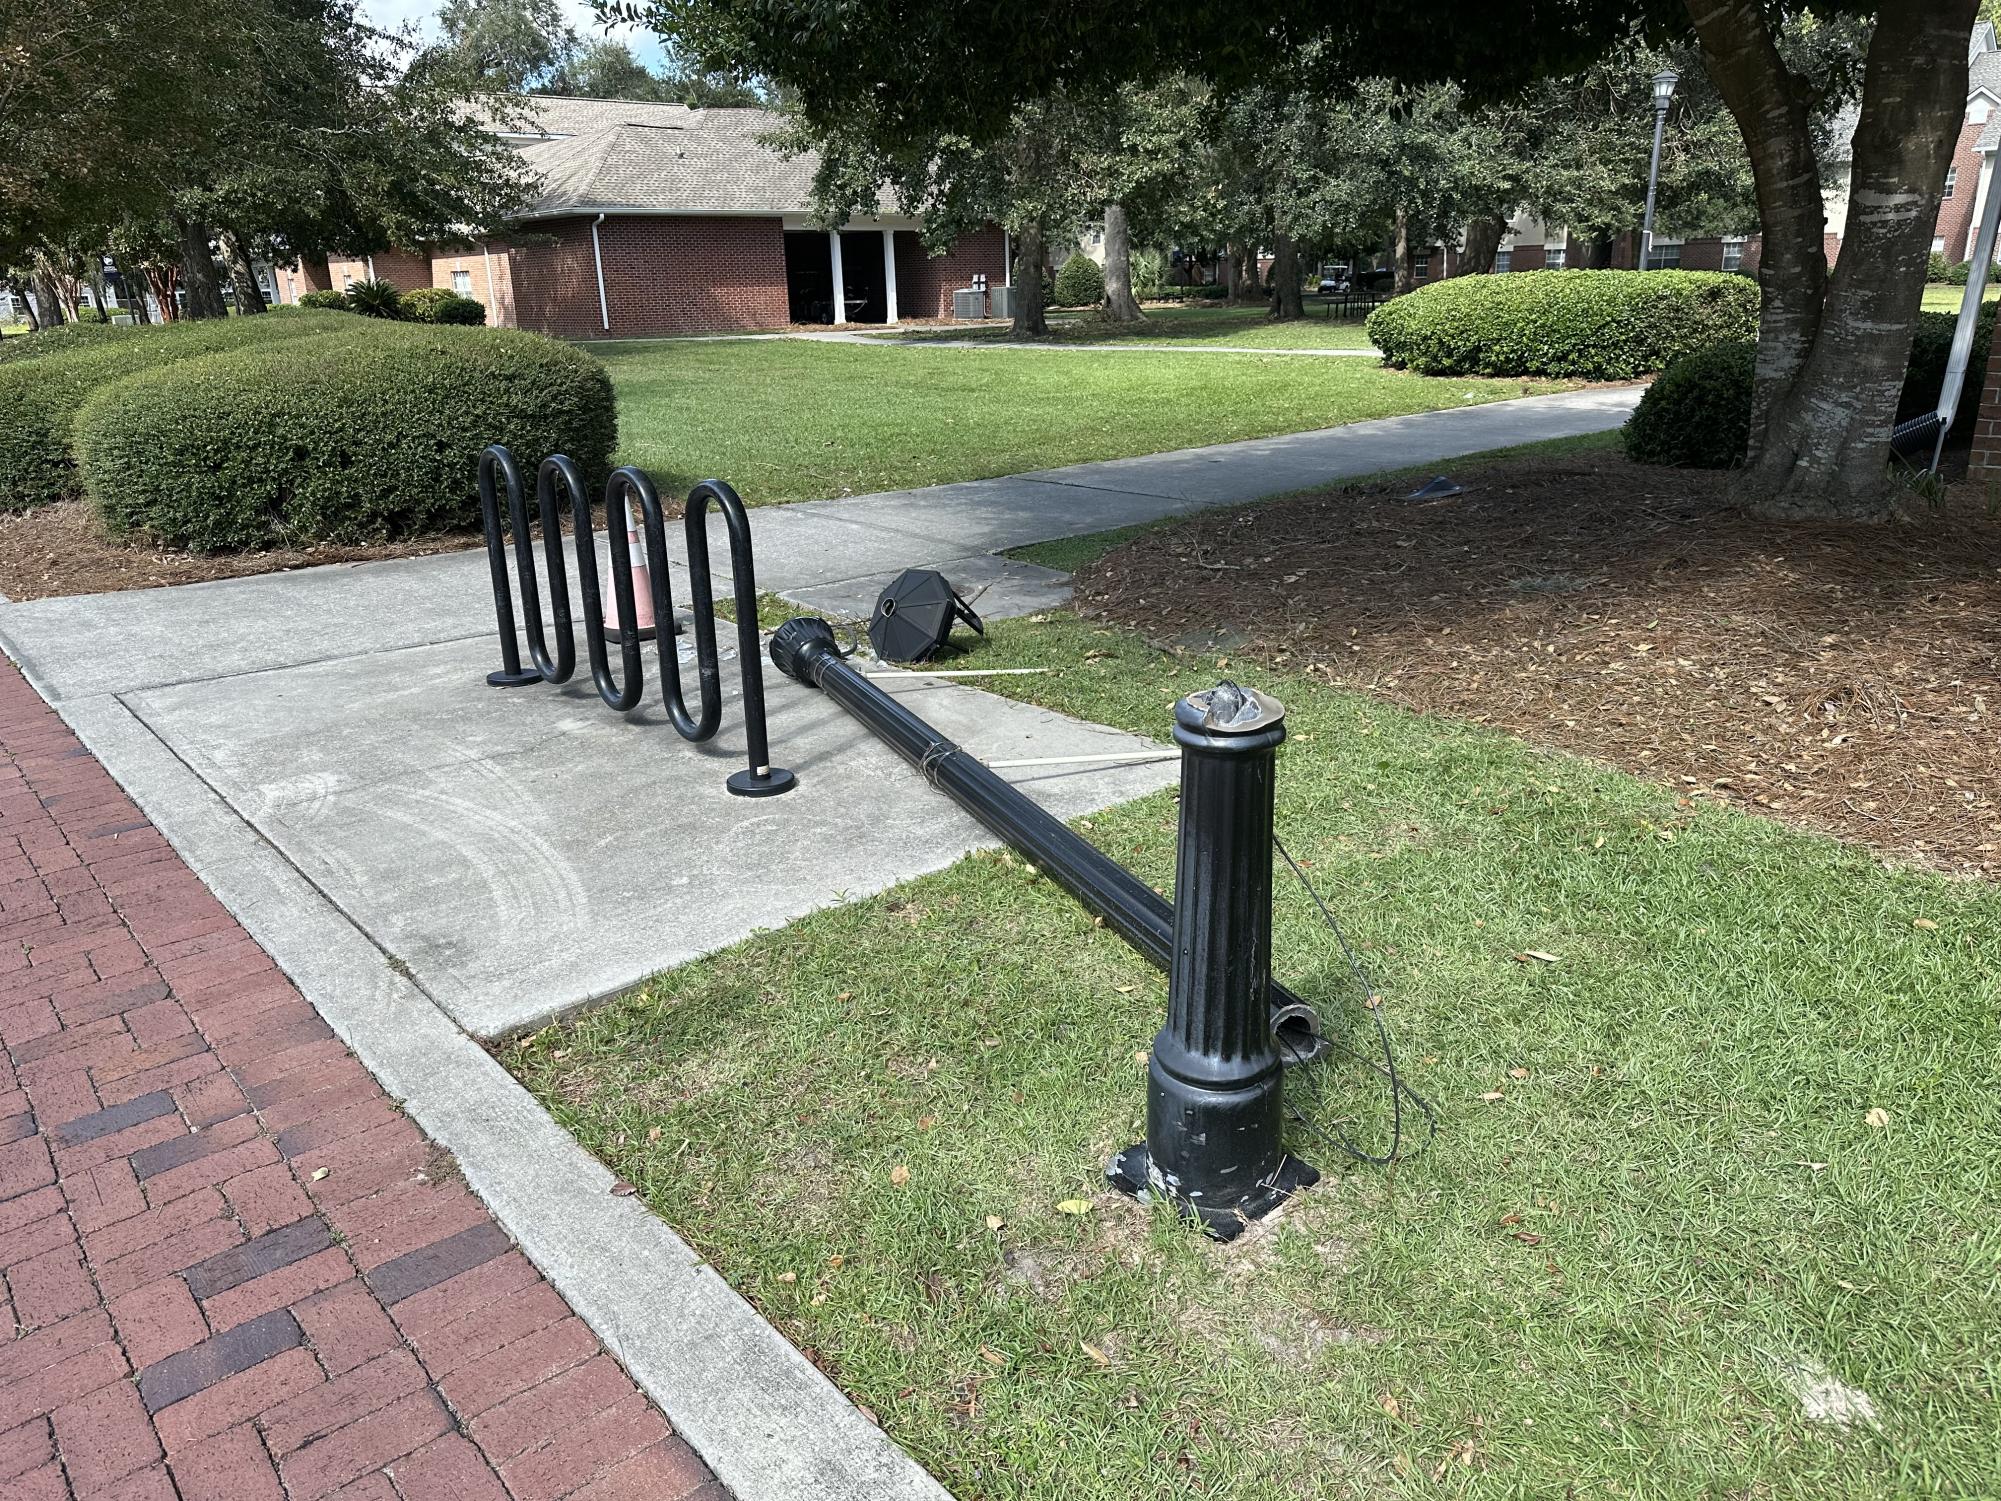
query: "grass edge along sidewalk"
1708, 1211
231, 1262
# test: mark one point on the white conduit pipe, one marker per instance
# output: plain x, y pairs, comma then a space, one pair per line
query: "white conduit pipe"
597, 259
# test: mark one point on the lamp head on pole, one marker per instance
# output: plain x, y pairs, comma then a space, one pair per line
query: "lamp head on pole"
1664, 82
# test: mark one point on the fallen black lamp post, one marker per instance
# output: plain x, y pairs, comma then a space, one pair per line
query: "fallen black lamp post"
1214, 1095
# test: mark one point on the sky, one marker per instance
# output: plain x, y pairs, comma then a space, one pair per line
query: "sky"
391, 15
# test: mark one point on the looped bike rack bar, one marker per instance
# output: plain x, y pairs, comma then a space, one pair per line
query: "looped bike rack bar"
559, 477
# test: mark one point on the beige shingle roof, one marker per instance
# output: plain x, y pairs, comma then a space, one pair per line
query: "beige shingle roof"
619, 156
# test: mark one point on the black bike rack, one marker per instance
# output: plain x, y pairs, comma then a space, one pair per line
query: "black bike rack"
623, 689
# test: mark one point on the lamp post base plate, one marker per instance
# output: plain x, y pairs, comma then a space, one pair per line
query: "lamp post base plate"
1131, 1173
750, 784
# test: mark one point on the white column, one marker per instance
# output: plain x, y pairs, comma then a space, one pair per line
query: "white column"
840, 276
889, 275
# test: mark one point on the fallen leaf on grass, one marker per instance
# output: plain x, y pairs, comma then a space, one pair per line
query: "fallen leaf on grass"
622, 1190
899, 1175
655, 1134
1536, 954
1494, 1094
926, 1122
1075, 1206
1098, 1356
1528, 1237
1518, 1073
1877, 1118
995, 1222
788, 1276
1388, 1403
992, 1356
1923, 922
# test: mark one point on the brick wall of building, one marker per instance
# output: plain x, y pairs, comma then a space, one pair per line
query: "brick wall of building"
1984, 463
1955, 214
404, 270
662, 275
486, 267
925, 283
295, 281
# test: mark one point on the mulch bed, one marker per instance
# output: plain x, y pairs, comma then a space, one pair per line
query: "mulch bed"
64, 549
1845, 678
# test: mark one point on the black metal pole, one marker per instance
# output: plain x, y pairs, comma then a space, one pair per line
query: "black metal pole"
805, 649
1214, 1143
493, 460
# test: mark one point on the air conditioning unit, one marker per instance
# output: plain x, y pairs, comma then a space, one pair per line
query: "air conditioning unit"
969, 303
1002, 300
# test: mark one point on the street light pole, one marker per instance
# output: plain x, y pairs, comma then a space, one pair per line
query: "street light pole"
1664, 82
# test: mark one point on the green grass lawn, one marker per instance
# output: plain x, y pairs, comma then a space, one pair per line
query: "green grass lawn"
1192, 324
1656, 1218
1942, 299
790, 420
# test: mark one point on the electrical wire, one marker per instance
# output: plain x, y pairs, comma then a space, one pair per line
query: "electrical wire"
1373, 1004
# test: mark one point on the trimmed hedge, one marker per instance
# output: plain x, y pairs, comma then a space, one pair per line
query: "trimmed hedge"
1080, 282
376, 436
1698, 413
60, 339
1594, 325
331, 301
40, 398
442, 305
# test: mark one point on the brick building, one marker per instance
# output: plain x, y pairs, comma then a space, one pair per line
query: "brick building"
661, 219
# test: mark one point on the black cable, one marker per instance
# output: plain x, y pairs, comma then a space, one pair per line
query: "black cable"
1373, 1003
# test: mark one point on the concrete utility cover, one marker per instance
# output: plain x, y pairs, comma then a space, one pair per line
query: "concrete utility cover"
525, 851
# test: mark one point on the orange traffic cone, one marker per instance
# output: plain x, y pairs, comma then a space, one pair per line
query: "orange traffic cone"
642, 588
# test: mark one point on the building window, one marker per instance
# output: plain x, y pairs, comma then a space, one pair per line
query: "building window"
1664, 255
462, 283
1976, 112
1733, 253
1420, 266
346, 280
1951, 182
1554, 257
1938, 244
1504, 259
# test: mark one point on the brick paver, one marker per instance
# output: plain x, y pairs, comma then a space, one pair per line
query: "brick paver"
232, 1267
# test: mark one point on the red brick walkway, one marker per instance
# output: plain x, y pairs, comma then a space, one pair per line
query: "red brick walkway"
232, 1267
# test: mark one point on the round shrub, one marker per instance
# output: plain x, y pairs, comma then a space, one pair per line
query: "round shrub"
1080, 282
1594, 325
374, 299
442, 305
376, 436
1697, 413
40, 398
331, 301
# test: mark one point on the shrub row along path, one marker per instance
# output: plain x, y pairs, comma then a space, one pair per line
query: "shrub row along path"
424, 858
233, 1268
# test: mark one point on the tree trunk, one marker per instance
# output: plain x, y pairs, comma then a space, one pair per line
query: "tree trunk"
164, 280
198, 271
20, 295
1832, 351
135, 291
1120, 304
1029, 320
47, 300
242, 275
1483, 242
100, 289
1286, 302
1243, 259
1400, 253
1598, 253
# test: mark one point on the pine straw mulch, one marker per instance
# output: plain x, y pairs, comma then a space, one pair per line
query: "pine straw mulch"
64, 549
1846, 678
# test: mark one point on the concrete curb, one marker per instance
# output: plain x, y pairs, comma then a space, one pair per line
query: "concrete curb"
769, 1424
